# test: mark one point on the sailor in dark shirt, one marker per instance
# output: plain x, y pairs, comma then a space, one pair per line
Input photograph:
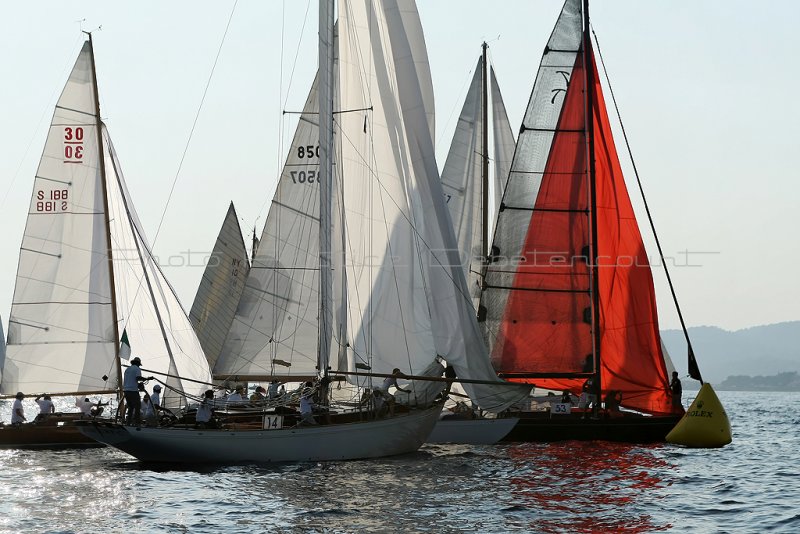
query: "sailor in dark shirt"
677, 390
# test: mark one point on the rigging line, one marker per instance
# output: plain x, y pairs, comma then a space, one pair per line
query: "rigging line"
647, 210
194, 124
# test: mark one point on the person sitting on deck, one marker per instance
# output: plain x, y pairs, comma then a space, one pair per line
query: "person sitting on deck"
566, 397
89, 408
258, 395
588, 397
237, 396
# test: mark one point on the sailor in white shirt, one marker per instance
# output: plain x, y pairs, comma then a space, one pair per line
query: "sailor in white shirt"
17, 411
46, 406
307, 405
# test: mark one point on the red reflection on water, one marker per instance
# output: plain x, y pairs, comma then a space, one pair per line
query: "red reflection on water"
591, 486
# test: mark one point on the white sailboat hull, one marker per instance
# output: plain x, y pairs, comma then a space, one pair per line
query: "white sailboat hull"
471, 431
349, 441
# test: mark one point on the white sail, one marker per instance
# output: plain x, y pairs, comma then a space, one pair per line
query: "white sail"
462, 176
62, 337
220, 288
407, 298
504, 144
158, 329
274, 331
60, 331
462, 184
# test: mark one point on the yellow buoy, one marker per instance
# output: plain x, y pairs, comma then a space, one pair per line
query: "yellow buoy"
705, 423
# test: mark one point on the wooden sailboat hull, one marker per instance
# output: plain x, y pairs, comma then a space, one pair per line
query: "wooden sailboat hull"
55, 433
349, 441
633, 428
472, 431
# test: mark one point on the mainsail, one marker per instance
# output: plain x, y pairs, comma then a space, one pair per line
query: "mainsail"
62, 334
220, 288
61, 327
274, 330
562, 295
407, 300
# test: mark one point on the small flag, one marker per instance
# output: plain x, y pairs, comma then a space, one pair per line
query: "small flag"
125, 347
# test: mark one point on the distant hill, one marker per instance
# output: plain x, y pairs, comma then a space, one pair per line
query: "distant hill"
757, 351
779, 382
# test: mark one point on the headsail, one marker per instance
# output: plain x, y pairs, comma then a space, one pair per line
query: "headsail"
462, 176
220, 288
158, 328
539, 287
504, 143
461, 182
60, 330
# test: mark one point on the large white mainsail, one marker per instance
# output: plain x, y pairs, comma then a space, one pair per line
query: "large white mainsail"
407, 300
274, 331
220, 288
62, 334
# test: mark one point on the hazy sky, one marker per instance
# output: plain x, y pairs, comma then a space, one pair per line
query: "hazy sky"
707, 90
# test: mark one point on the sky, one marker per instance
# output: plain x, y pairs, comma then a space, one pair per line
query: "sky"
706, 89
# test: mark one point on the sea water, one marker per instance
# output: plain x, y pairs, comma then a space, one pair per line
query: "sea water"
751, 485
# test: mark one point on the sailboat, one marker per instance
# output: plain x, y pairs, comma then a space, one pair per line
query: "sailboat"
348, 282
466, 183
568, 295
85, 270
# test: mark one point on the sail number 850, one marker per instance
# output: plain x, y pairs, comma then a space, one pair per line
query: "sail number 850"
308, 151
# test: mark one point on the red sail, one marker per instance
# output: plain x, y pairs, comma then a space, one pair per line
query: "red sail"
546, 325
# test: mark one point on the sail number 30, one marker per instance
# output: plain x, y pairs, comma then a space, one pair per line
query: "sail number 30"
73, 144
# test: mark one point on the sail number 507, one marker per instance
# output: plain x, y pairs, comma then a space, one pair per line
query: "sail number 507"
303, 177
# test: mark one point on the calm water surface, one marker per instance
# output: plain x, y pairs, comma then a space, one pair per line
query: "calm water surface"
751, 485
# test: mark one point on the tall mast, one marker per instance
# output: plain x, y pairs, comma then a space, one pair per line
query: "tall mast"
485, 155
326, 21
588, 66
102, 158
